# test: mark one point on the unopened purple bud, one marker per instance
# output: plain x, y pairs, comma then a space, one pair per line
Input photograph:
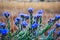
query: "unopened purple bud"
37, 16
6, 14
22, 15
30, 10
27, 16
51, 20
3, 25
18, 18
58, 25
40, 11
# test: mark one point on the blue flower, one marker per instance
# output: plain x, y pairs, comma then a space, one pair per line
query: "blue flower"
4, 31
24, 24
3, 25
18, 18
40, 11
6, 14
34, 25
57, 25
22, 15
30, 10
37, 16
58, 33
51, 20
57, 17
16, 22
27, 16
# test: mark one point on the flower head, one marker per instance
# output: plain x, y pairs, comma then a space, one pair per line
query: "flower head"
34, 25
37, 16
6, 14
18, 18
24, 24
4, 31
40, 11
3, 25
58, 33
22, 15
57, 17
51, 20
30, 10
16, 22
27, 16
58, 25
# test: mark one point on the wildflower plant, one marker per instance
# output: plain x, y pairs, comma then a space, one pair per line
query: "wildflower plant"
28, 30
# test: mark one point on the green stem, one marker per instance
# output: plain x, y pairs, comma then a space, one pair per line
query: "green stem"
8, 23
17, 31
50, 35
40, 20
48, 26
8, 26
31, 19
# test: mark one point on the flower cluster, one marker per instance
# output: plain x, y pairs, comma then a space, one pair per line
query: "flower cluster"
29, 31
3, 29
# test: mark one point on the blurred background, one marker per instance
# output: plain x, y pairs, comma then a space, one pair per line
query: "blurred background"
34, 0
